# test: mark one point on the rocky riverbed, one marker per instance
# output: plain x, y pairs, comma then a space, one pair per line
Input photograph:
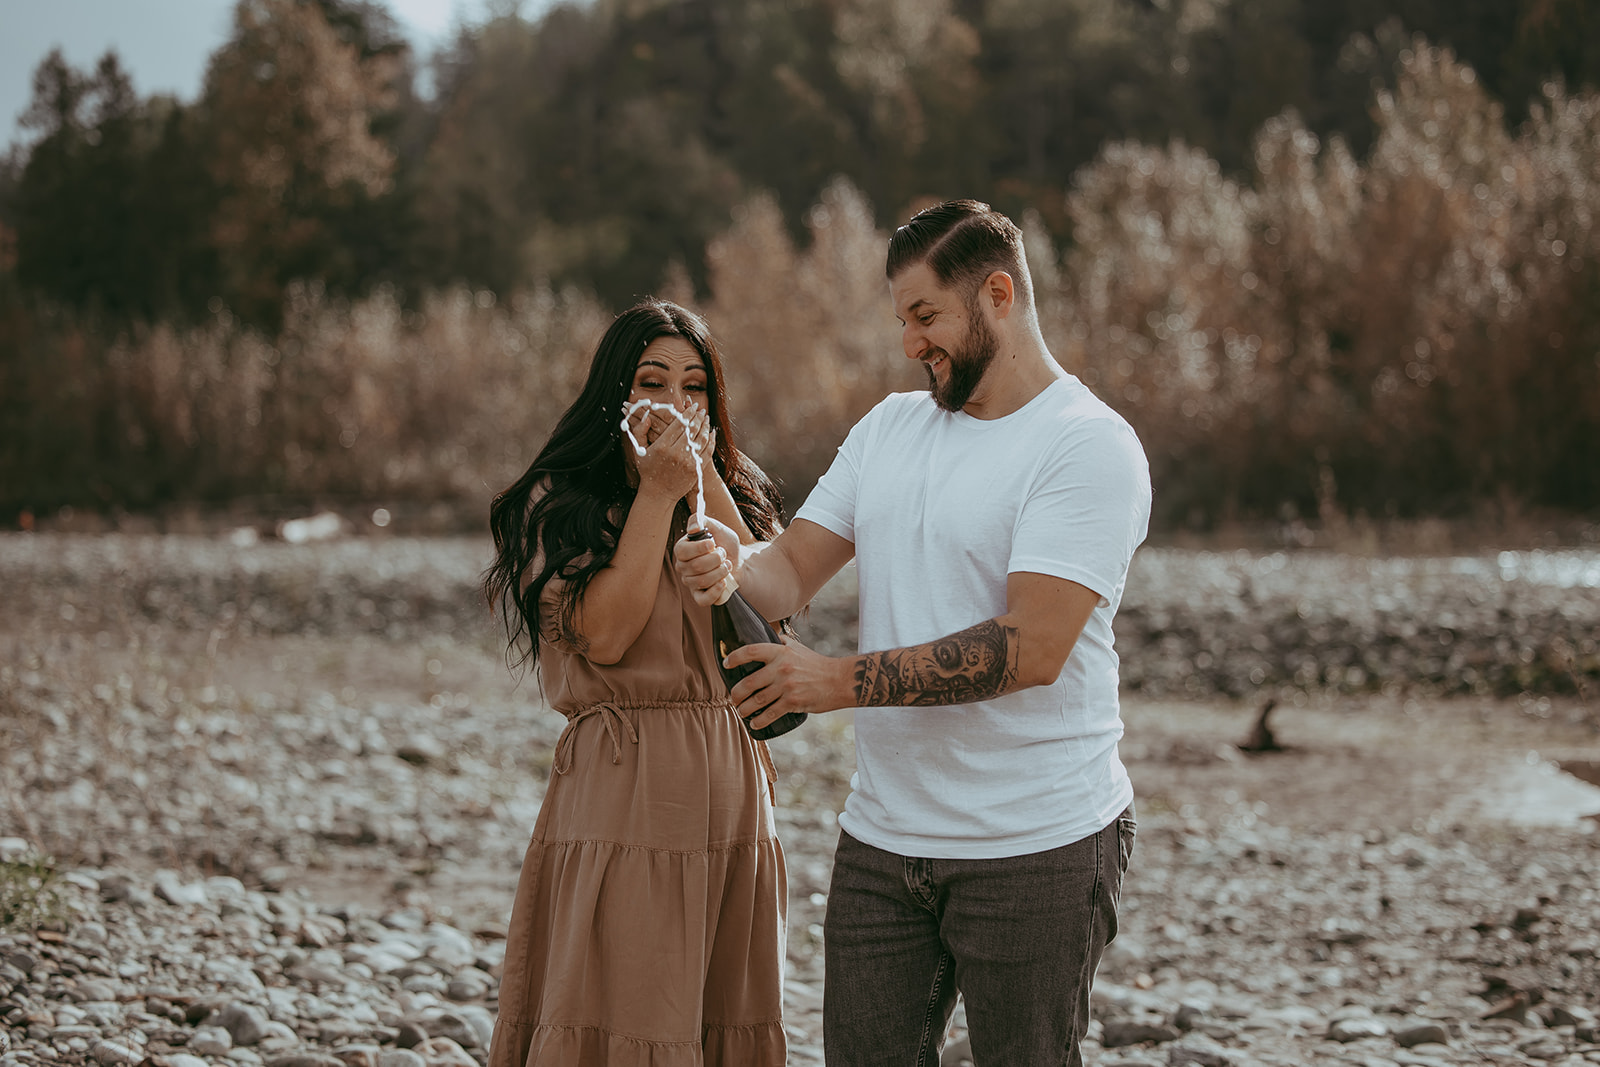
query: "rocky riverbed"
264, 804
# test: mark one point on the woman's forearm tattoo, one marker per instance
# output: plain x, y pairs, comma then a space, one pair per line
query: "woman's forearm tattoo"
978, 663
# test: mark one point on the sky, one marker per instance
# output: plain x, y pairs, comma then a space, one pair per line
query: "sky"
164, 44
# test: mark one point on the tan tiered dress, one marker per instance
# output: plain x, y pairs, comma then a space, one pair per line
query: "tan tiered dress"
648, 927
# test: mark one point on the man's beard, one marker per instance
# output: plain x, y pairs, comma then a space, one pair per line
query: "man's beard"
966, 364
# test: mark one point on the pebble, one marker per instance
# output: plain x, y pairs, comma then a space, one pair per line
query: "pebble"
210, 1041
1345, 1031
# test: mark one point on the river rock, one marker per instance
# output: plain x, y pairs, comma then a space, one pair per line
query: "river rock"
443, 1052
1190, 1051
1119, 1032
304, 1058
210, 1041
411, 1033
1421, 1034
468, 1026
115, 1054
169, 886
470, 984
245, 1023
1356, 1028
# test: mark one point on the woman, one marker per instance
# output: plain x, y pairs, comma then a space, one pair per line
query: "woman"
648, 926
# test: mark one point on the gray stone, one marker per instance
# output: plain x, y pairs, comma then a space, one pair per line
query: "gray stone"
119, 887
1421, 1034
210, 1041
304, 1058
410, 920
421, 749
1543, 1047
443, 1052
465, 1027
171, 888
246, 1023
1202, 1055
448, 946
1356, 1028
332, 1031
1120, 1032
278, 1036
357, 1055
231, 973
67, 1033
10, 978
399, 1057
1567, 1015
426, 983
411, 1033
320, 931
98, 991
470, 984
312, 973
115, 1054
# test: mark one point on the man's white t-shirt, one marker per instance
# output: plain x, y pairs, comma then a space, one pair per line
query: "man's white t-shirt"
941, 507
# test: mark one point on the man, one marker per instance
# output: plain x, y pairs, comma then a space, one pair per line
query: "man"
992, 521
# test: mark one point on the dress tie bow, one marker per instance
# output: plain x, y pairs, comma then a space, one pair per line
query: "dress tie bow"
611, 717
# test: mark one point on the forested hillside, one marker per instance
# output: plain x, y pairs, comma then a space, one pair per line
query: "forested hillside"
1331, 257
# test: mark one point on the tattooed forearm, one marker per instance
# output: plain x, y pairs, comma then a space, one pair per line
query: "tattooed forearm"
978, 663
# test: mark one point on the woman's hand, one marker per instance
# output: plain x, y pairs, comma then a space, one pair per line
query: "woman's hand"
668, 465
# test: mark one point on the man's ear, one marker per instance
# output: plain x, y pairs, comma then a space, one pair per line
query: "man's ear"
999, 292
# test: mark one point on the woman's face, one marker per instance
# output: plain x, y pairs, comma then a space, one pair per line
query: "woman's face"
670, 371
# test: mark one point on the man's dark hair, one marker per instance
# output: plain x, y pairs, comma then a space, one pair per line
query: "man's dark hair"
962, 242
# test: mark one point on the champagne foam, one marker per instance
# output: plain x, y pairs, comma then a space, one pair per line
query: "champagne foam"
728, 585
632, 409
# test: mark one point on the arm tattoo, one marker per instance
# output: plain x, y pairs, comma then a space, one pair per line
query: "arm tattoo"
978, 663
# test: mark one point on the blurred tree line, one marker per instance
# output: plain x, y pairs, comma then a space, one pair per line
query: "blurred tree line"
1308, 246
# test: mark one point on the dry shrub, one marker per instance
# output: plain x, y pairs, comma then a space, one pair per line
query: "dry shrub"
810, 336
1412, 336
363, 402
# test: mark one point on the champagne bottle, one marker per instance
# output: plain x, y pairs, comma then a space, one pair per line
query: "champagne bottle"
735, 623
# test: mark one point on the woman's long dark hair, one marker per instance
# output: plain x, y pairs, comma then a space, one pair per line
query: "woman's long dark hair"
581, 484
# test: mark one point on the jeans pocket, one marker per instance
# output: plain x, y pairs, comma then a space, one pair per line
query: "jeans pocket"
1127, 830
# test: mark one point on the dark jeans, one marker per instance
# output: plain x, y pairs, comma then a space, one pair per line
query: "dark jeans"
1019, 938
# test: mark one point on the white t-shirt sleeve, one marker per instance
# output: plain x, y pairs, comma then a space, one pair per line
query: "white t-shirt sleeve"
1088, 510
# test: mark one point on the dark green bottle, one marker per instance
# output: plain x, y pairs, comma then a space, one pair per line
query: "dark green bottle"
734, 623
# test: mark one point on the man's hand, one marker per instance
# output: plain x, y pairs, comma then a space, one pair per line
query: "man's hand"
703, 565
793, 678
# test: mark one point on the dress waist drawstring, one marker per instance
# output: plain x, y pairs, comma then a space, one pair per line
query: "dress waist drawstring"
614, 717
611, 717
